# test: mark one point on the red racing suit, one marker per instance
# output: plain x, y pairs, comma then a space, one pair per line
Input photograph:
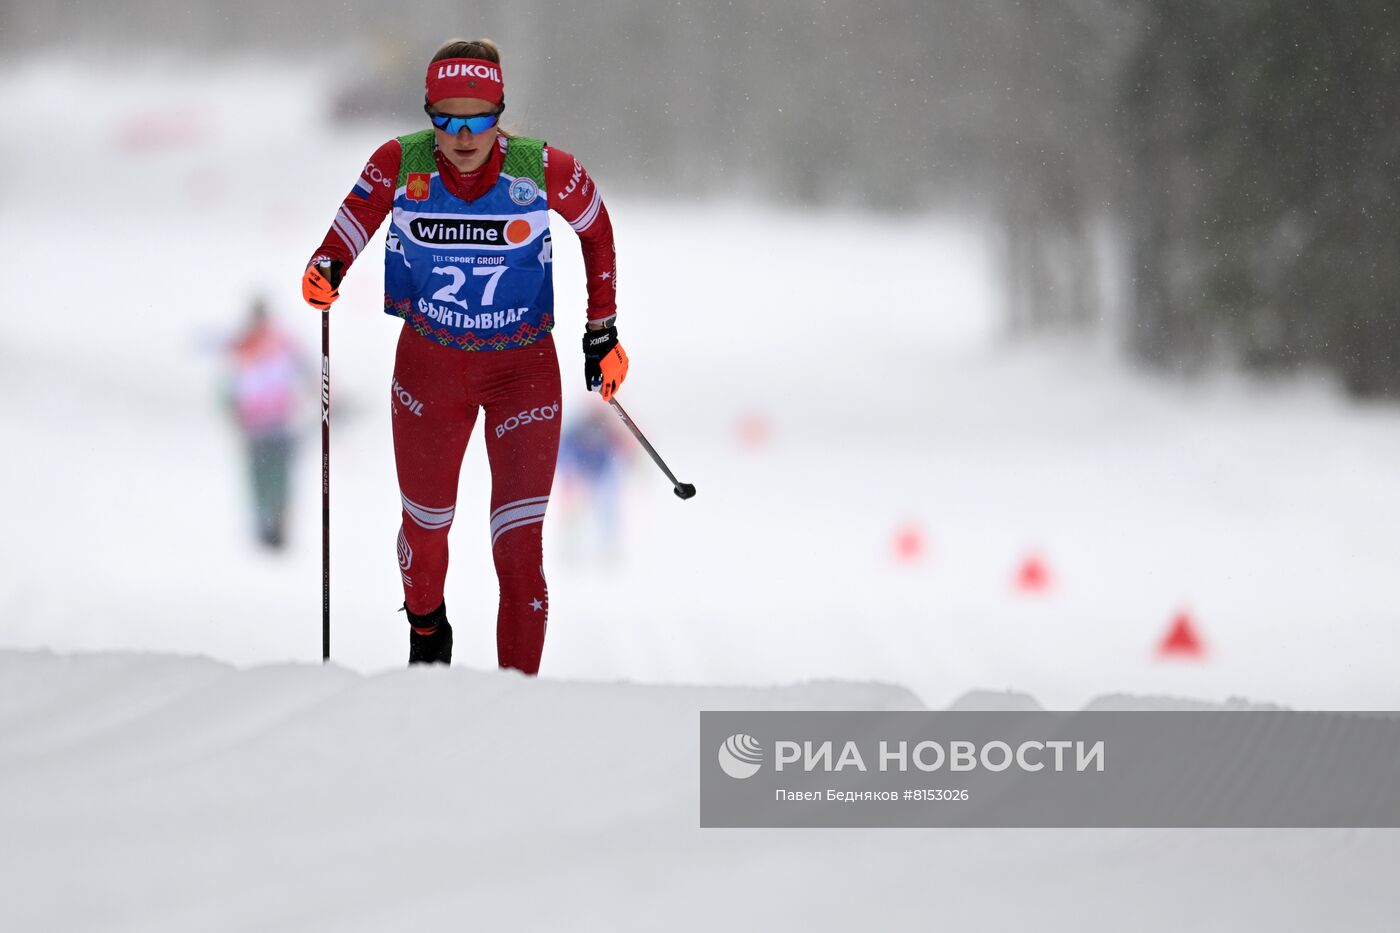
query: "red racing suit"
440, 384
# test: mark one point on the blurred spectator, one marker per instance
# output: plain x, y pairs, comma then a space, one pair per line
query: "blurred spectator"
266, 375
592, 453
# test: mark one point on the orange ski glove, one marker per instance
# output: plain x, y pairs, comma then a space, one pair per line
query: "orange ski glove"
320, 285
604, 362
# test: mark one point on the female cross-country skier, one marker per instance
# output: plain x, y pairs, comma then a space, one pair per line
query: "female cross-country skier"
467, 265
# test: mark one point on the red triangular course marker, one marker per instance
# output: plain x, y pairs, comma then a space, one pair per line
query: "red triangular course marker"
1033, 577
1181, 640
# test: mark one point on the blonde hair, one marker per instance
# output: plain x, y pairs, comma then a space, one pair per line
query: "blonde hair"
472, 48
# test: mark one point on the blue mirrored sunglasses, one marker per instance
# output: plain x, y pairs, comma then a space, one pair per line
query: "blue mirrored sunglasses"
454, 125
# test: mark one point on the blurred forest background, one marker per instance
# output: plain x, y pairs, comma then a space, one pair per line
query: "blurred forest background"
1217, 180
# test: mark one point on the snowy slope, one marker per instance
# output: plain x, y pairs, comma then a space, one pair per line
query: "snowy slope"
867, 343
156, 793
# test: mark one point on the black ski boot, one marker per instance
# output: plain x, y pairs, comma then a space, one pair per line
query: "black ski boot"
430, 637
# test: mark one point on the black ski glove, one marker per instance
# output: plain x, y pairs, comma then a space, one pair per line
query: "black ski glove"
604, 362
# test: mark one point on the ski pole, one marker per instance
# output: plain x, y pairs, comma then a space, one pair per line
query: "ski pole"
325, 486
684, 490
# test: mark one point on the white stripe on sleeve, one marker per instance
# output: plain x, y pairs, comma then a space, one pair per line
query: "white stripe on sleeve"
589, 214
352, 228
346, 239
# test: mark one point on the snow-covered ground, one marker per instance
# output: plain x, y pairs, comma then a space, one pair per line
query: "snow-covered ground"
147, 793
361, 796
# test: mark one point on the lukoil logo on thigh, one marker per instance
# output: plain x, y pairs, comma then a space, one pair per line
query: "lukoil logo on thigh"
406, 399
543, 413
